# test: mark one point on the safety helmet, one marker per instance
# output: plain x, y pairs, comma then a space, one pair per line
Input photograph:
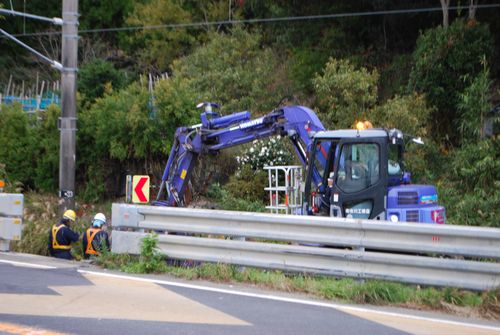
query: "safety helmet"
70, 215
99, 220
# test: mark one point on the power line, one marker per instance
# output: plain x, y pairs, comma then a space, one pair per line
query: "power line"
54, 20
54, 63
264, 20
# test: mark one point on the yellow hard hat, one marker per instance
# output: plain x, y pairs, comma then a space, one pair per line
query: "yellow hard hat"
70, 215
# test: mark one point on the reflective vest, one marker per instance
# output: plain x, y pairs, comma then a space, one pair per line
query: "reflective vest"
55, 243
91, 233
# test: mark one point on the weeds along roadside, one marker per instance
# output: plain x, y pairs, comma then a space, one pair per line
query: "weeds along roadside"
460, 302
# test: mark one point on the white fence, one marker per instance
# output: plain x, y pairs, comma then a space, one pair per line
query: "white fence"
402, 252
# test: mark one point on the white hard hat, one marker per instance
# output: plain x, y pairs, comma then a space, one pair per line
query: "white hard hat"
99, 220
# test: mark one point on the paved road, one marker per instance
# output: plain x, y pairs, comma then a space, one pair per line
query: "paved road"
48, 296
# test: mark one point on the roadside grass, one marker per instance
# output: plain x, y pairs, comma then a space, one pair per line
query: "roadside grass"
347, 290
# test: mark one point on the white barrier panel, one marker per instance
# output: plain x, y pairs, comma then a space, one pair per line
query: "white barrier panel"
11, 204
11, 228
11, 213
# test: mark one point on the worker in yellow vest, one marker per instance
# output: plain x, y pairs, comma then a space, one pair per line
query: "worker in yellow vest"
95, 238
61, 236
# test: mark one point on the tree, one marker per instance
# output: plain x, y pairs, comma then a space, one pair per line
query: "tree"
95, 76
446, 61
234, 70
345, 93
98, 14
176, 101
17, 145
473, 104
472, 9
157, 48
47, 137
104, 14
471, 190
115, 135
408, 113
445, 4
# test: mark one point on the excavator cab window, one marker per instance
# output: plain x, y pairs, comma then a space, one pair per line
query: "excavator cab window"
323, 163
358, 166
324, 158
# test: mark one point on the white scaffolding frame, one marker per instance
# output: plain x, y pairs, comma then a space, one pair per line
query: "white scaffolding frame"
285, 194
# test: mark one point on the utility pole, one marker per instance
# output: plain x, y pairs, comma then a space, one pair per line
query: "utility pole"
67, 121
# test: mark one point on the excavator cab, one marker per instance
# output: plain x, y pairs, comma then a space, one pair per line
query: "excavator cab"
352, 166
360, 174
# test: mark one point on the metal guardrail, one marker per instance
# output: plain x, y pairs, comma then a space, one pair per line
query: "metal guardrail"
11, 213
317, 232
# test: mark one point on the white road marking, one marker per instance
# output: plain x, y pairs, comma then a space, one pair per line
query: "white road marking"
297, 301
27, 265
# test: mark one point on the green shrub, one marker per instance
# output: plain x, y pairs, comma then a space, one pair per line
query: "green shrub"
176, 101
227, 201
234, 70
18, 141
150, 260
304, 64
447, 60
394, 77
47, 157
345, 93
410, 114
98, 77
473, 104
249, 185
116, 133
471, 190
155, 49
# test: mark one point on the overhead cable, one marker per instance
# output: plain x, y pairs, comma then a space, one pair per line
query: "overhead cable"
263, 20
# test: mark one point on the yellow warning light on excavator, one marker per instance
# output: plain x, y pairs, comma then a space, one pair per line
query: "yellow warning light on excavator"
363, 125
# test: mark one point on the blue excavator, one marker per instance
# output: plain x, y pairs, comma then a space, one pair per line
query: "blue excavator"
354, 173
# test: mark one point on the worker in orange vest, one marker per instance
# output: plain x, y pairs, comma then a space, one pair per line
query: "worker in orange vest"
95, 238
61, 236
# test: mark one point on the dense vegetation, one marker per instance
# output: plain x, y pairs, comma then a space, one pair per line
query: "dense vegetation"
405, 71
